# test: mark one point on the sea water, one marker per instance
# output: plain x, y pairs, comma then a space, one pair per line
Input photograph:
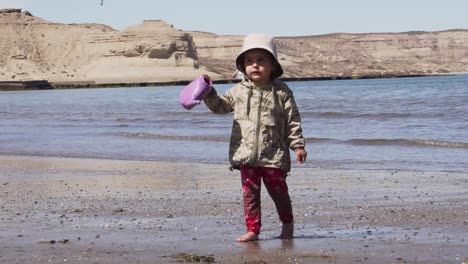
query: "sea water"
418, 124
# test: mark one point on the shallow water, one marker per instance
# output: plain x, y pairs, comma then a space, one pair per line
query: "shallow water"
401, 124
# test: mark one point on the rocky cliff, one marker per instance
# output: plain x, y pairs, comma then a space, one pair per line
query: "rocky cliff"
153, 51
32, 48
338, 55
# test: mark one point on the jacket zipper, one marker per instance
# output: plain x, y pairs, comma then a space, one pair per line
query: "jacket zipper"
257, 127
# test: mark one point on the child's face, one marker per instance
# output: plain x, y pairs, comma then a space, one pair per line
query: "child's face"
258, 66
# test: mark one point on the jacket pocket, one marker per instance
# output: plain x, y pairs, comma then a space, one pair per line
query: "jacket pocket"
268, 120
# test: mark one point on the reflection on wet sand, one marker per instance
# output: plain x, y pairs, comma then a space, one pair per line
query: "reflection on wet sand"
146, 212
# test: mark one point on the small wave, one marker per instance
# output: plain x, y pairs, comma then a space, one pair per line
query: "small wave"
328, 114
124, 119
317, 140
311, 140
384, 115
174, 137
410, 142
332, 114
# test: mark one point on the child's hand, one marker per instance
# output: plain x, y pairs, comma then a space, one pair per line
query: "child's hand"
301, 155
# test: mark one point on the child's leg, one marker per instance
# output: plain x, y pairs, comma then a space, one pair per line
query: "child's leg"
251, 184
287, 231
275, 182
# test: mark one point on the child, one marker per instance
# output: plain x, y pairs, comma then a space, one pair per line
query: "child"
266, 125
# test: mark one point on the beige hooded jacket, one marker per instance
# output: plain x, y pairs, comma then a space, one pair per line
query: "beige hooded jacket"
266, 123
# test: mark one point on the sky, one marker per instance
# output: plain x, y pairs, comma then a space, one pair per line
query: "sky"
277, 18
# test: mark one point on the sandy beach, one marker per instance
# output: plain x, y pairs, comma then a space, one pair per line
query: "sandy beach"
57, 210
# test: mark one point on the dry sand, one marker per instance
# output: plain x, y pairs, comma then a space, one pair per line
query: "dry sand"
56, 210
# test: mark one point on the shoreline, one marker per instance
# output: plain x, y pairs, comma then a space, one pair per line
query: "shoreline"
46, 85
114, 211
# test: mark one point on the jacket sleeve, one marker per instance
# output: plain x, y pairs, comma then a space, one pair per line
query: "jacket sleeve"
293, 124
219, 104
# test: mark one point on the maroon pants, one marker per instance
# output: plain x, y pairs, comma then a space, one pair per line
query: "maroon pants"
274, 180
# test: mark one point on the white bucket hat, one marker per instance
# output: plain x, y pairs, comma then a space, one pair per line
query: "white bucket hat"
259, 41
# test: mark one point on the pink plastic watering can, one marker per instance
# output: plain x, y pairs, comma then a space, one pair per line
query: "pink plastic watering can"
195, 92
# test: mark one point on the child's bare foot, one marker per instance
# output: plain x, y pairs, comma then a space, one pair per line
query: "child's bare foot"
249, 236
287, 231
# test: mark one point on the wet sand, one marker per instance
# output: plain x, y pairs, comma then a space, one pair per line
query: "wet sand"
56, 210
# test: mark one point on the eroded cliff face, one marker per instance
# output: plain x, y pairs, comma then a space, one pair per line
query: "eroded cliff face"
377, 54
339, 55
217, 52
153, 51
32, 48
